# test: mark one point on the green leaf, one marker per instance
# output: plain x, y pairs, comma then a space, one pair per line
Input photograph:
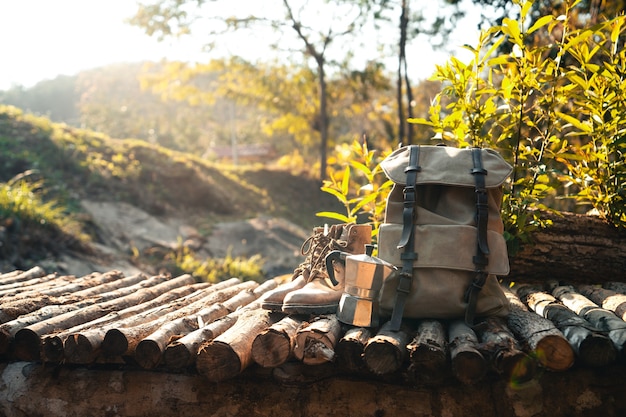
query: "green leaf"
345, 182
542, 21
340, 197
367, 199
511, 28
526, 8
575, 122
358, 165
337, 216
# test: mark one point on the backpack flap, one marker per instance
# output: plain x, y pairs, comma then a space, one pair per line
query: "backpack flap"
446, 165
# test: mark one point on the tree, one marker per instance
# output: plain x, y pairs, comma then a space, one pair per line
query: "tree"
316, 28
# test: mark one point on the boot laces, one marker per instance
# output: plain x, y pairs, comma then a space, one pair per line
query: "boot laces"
315, 248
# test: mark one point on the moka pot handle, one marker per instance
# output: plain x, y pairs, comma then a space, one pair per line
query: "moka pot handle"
338, 256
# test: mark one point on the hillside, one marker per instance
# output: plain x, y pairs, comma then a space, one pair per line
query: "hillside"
81, 169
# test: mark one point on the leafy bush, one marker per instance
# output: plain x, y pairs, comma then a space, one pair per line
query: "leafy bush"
555, 111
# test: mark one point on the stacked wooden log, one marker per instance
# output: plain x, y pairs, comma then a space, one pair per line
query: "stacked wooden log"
219, 330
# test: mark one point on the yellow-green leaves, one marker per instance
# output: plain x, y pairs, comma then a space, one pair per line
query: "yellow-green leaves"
357, 181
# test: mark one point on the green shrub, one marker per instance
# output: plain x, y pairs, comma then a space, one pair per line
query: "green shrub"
556, 111
561, 126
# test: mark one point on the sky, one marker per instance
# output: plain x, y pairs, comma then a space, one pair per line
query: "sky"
41, 39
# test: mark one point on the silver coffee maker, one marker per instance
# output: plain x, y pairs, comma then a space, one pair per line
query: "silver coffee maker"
364, 275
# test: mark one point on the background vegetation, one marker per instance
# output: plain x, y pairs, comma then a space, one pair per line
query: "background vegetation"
544, 87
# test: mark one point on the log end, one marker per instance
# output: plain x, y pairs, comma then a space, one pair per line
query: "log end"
114, 343
271, 349
53, 349
555, 353
597, 351
382, 358
148, 354
79, 349
217, 361
27, 345
469, 366
177, 356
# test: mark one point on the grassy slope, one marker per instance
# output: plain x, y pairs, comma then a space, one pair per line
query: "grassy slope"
77, 164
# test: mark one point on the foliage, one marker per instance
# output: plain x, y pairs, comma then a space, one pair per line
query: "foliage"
217, 269
32, 225
561, 127
24, 201
357, 181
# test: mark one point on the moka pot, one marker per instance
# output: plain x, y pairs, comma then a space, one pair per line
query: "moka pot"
363, 278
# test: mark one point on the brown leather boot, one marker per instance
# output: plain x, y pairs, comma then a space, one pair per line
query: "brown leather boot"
273, 301
319, 295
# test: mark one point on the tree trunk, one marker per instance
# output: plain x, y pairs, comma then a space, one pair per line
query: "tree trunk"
602, 319
504, 352
540, 335
386, 352
274, 346
468, 364
350, 349
592, 347
576, 248
230, 353
27, 342
428, 351
315, 342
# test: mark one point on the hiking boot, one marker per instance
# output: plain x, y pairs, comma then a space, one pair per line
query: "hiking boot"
319, 295
273, 301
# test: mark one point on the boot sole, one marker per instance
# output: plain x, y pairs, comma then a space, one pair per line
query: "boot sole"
272, 306
311, 309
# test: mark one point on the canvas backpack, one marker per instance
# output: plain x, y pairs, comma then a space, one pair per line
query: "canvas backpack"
443, 231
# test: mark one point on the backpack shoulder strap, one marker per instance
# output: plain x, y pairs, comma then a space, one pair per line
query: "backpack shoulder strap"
482, 248
406, 241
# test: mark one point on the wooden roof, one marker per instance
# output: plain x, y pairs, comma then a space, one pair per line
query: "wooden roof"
176, 324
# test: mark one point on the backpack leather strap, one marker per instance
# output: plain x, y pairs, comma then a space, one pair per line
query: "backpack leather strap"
409, 256
482, 247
